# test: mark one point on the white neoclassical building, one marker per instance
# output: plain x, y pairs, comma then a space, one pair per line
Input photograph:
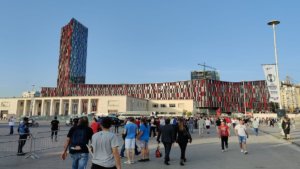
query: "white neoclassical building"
100, 105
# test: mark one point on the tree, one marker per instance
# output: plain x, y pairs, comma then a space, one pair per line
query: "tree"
189, 114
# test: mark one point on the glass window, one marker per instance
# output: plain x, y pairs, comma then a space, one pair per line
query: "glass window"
172, 105
155, 105
163, 105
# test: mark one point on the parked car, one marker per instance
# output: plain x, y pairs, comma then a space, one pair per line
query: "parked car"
115, 120
32, 122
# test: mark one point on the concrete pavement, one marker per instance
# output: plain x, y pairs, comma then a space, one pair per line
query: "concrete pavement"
275, 131
265, 151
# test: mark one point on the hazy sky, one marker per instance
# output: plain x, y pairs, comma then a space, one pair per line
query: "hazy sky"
139, 41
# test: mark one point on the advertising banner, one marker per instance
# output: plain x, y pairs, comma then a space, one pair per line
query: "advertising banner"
272, 81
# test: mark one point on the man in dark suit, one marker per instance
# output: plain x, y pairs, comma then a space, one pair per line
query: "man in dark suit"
167, 133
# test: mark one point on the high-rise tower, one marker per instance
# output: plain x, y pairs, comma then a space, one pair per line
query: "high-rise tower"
72, 56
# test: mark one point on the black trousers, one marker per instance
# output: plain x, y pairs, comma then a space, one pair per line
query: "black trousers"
53, 132
95, 166
182, 149
22, 141
224, 142
286, 132
152, 130
11, 129
168, 147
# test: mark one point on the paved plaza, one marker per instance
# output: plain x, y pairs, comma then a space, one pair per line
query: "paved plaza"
265, 151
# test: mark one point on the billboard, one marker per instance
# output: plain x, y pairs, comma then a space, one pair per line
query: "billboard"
272, 81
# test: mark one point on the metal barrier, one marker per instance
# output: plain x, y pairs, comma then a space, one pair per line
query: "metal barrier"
37, 142
10, 148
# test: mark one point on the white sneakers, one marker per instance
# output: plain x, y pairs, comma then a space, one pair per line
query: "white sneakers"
245, 152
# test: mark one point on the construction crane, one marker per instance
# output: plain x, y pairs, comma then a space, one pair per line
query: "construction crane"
206, 66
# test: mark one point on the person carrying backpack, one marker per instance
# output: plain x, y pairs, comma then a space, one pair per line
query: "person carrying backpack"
77, 139
24, 132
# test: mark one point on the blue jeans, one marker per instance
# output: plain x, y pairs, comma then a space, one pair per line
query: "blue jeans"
191, 127
242, 139
255, 131
79, 160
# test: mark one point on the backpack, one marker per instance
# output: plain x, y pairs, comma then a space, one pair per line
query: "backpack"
22, 129
79, 138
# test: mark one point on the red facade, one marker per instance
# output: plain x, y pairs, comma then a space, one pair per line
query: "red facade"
229, 96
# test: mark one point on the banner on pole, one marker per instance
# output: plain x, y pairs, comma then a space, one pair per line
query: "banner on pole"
272, 81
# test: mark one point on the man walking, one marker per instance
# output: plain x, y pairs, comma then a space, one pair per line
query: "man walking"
255, 125
24, 132
207, 124
54, 128
77, 139
240, 131
130, 131
11, 124
201, 123
105, 148
191, 124
167, 134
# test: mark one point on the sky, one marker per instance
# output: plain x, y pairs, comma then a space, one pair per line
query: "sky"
145, 41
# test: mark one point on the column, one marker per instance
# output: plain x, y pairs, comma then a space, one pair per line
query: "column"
25, 107
61, 107
70, 107
79, 107
43, 113
98, 106
89, 106
33, 107
51, 107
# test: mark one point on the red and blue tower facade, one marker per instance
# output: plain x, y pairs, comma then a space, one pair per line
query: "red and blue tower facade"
72, 56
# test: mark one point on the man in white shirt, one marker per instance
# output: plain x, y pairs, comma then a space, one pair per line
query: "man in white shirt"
255, 125
11, 123
162, 121
201, 123
207, 124
240, 131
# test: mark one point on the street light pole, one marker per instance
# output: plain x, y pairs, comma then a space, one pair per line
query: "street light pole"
273, 24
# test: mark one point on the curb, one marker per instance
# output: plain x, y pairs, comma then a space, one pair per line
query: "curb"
278, 137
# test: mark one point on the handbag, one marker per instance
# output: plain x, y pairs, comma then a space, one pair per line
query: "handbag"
158, 154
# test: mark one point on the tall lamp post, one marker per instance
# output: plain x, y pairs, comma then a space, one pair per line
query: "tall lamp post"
273, 24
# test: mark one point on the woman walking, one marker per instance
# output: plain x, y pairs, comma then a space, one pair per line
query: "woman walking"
286, 126
224, 133
182, 138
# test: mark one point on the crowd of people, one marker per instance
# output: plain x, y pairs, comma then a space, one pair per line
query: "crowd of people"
138, 132
99, 139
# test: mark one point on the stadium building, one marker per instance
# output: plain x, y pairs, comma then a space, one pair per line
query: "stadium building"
73, 96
